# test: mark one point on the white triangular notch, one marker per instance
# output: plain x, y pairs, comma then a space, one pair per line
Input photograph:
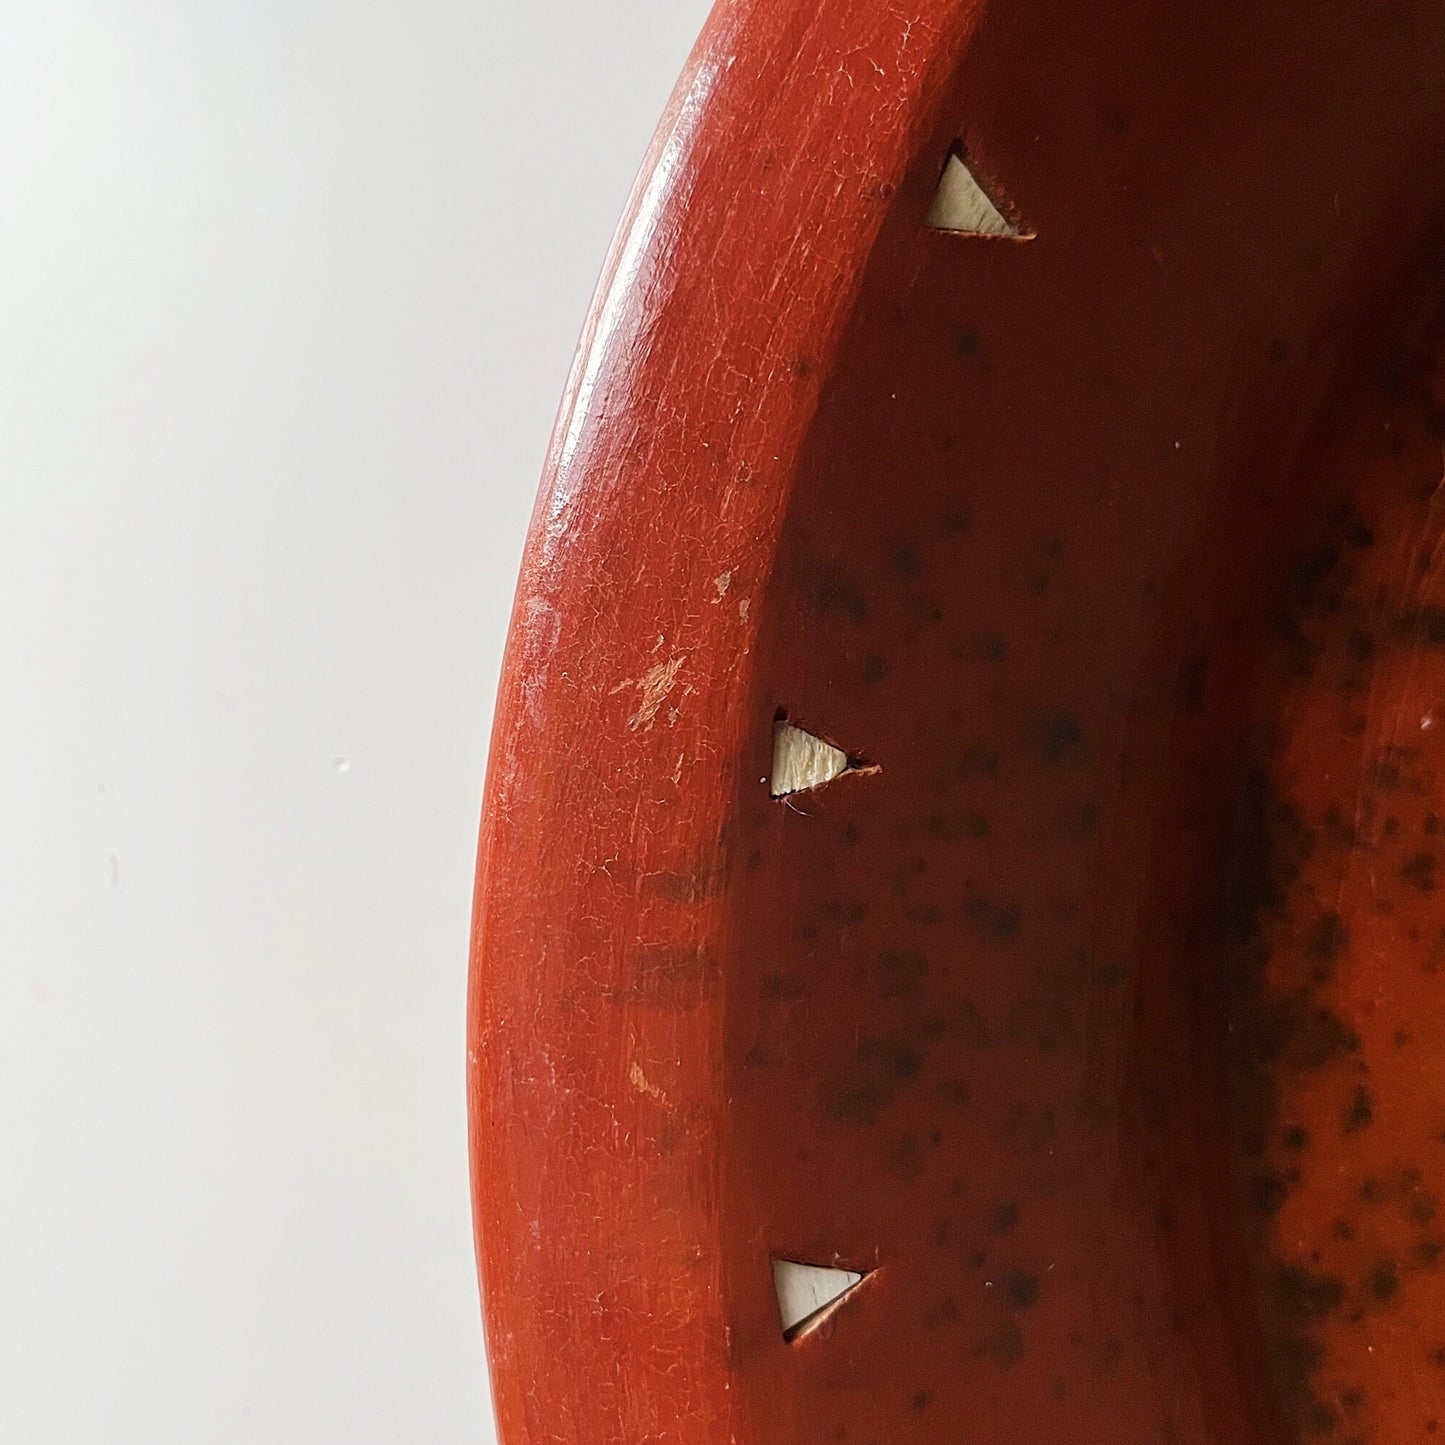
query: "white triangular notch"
809, 1292
802, 761
962, 206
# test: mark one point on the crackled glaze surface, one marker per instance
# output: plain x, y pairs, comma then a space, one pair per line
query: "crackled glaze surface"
1094, 1022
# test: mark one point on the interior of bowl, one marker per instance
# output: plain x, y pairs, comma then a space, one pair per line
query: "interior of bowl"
1081, 981
1099, 1026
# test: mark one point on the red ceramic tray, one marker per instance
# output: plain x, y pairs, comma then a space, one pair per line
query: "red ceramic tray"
1025, 421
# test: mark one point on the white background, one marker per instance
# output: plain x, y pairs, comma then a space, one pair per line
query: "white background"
288, 289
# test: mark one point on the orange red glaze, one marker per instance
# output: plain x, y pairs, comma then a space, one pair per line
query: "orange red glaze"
1339, 1019
1057, 1024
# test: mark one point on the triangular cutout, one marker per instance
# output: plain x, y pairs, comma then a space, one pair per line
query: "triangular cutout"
802, 761
963, 206
806, 1292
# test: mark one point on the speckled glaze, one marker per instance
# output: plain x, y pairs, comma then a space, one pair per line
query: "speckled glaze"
1101, 1023
1336, 936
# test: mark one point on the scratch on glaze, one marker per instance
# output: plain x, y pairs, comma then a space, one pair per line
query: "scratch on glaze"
644, 1085
655, 685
